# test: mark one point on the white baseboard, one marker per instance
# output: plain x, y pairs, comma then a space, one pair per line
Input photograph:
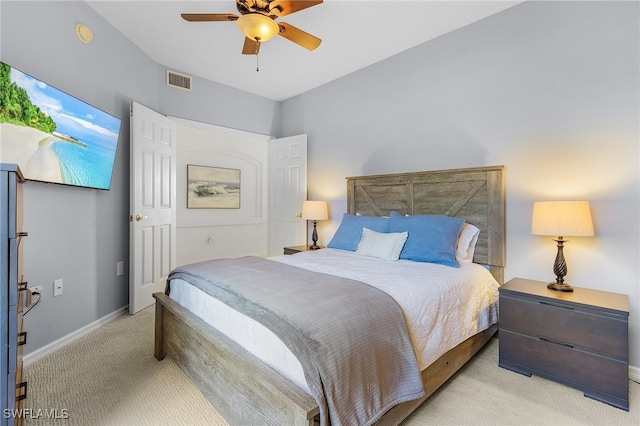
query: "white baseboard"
34, 356
634, 373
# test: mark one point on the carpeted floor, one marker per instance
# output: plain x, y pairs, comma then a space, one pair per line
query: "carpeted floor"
110, 377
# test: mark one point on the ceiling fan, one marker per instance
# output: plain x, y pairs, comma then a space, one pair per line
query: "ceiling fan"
258, 22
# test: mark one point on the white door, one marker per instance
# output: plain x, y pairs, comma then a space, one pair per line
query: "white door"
153, 204
287, 191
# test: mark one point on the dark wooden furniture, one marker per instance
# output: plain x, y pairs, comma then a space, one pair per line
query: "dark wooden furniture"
245, 391
298, 249
12, 389
579, 339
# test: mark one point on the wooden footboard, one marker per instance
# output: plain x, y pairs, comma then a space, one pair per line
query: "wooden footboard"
238, 385
245, 391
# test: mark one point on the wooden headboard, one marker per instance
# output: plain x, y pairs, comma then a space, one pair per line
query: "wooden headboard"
476, 195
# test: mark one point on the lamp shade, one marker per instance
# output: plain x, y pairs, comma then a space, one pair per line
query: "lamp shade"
315, 210
257, 26
562, 218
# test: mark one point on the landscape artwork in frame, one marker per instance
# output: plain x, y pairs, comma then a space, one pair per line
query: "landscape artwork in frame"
212, 187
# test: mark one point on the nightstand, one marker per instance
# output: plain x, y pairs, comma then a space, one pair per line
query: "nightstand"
579, 339
298, 249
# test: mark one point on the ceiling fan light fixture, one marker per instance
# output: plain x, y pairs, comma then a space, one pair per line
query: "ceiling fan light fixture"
257, 26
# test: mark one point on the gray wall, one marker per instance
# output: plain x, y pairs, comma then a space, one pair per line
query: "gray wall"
79, 234
548, 89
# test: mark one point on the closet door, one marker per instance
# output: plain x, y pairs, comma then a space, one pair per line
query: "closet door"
153, 205
287, 191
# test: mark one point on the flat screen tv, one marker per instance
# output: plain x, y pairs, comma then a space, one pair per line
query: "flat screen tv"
52, 136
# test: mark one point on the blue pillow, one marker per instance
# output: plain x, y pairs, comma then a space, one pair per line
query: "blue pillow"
349, 232
432, 238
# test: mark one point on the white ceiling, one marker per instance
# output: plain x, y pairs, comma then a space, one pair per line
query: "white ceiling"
354, 33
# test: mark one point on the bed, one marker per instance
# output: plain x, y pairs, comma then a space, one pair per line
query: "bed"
245, 390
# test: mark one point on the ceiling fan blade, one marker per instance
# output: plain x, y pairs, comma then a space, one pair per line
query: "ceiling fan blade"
287, 7
251, 47
298, 36
209, 17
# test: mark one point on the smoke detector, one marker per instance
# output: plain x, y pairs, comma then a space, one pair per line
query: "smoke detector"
84, 33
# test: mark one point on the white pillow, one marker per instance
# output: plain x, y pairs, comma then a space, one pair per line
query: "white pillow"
467, 243
387, 245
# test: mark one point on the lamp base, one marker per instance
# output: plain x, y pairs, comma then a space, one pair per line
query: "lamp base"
560, 287
314, 237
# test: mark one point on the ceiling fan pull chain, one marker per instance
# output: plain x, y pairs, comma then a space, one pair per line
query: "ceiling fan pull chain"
257, 64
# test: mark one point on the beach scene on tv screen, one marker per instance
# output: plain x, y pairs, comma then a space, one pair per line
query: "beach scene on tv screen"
52, 136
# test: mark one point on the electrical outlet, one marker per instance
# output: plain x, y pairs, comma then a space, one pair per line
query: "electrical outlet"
32, 297
57, 287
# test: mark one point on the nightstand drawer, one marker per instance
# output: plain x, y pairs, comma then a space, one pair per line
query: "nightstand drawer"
602, 333
599, 377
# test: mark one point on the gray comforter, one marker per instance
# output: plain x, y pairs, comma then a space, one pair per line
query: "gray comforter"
350, 338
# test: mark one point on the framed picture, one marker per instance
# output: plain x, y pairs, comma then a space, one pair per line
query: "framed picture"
212, 187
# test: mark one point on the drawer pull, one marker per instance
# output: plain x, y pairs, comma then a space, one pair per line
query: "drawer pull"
557, 306
566, 345
21, 391
22, 338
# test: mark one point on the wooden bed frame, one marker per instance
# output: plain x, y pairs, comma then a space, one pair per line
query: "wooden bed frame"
246, 391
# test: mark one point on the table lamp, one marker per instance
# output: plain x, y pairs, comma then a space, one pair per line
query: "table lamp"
561, 219
315, 211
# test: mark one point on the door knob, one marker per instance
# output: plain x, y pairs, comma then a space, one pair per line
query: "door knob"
139, 217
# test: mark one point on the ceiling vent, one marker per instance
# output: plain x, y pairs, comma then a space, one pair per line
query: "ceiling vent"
181, 81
